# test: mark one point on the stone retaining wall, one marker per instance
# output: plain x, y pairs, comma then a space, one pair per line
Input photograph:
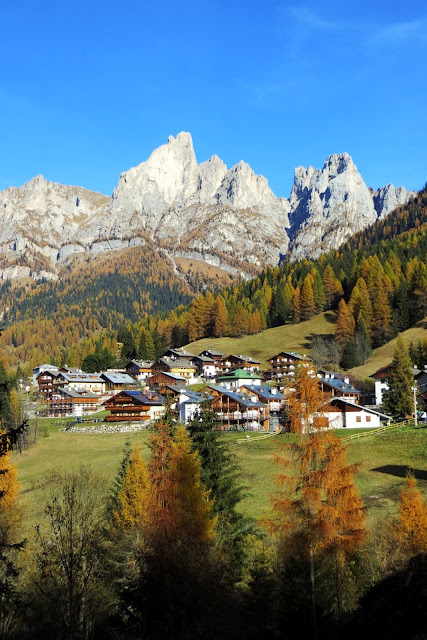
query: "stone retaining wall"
114, 428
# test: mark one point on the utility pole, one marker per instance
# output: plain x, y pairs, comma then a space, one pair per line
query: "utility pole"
414, 389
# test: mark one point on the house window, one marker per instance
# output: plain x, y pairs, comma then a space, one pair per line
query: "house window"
368, 418
358, 418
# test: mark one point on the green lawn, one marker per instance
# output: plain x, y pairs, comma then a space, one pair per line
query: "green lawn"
383, 459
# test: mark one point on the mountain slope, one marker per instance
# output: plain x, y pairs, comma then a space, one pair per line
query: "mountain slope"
229, 218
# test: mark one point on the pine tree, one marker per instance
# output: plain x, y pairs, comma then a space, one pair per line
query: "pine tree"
398, 399
411, 526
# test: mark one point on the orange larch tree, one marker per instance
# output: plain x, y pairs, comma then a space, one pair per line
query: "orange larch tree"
411, 526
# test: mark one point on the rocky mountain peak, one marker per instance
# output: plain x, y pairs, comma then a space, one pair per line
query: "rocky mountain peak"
205, 211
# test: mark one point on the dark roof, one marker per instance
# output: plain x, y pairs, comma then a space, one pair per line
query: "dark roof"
294, 354
339, 385
241, 398
140, 363
213, 352
149, 397
183, 364
264, 392
180, 352
244, 358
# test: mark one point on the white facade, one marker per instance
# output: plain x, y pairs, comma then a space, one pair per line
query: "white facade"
352, 416
380, 386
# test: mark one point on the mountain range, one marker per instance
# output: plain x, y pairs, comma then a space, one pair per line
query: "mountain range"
229, 218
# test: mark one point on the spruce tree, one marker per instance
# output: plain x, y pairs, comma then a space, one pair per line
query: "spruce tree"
398, 399
220, 475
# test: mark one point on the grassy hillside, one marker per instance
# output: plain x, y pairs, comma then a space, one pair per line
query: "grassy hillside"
297, 337
289, 337
384, 460
383, 355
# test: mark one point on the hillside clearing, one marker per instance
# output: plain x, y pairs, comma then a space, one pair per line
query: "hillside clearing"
384, 460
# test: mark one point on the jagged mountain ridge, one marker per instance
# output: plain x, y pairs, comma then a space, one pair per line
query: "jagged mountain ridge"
227, 217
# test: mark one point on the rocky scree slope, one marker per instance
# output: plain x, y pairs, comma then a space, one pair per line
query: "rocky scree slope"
226, 217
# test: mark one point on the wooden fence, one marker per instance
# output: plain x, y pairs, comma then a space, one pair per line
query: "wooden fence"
354, 436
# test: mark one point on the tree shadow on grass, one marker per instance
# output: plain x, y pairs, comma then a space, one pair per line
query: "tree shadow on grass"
401, 471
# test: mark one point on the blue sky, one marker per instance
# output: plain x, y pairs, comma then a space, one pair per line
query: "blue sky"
89, 89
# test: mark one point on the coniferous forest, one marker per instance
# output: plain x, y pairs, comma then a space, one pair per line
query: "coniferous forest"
376, 283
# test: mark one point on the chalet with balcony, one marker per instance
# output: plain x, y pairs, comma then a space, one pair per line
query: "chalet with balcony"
236, 411
232, 362
179, 354
46, 382
40, 369
135, 406
334, 387
214, 355
81, 382
283, 365
163, 378
64, 402
139, 369
275, 402
182, 368
205, 366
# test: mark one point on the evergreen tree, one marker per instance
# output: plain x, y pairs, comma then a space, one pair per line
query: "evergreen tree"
349, 357
318, 292
362, 341
220, 474
398, 399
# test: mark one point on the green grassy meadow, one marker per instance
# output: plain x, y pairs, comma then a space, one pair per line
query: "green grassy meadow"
264, 345
384, 459
298, 337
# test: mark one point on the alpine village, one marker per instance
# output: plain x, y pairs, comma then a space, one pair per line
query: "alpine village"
213, 406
